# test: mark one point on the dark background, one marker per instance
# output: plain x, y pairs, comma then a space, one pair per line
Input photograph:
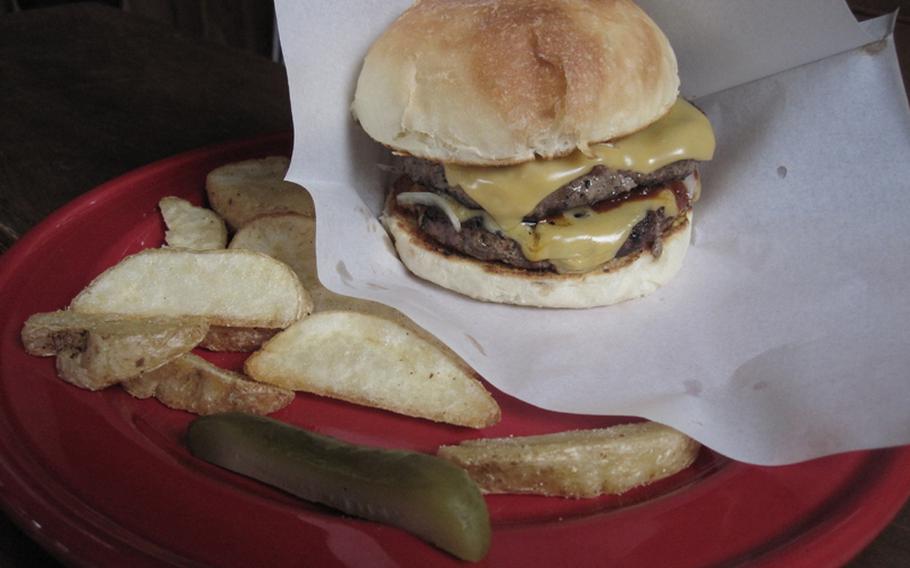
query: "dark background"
244, 24
249, 24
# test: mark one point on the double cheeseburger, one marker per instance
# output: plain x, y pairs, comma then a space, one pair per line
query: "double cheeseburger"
541, 154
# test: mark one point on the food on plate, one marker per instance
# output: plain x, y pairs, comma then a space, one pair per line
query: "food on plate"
191, 227
422, 494
237, 339
193, 384
374, 362
580, 463
137, 322
541, 154
232, 288
95, 351
242, 191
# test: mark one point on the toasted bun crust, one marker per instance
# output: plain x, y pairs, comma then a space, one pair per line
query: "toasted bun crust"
498, 82
494, 282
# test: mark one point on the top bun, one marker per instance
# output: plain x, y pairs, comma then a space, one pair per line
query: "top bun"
495, 82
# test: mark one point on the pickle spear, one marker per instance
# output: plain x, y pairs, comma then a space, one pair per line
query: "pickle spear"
420, 493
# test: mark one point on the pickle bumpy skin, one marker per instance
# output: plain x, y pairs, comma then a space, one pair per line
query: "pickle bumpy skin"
423, 494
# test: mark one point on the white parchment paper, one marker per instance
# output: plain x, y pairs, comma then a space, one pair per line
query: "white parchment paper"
785, 336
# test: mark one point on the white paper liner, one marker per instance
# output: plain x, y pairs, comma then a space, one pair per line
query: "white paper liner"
784, 337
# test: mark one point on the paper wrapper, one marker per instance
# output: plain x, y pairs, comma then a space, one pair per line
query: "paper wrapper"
784, 337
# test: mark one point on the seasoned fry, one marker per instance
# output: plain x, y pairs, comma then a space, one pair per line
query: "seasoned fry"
226, 287
242, 191
581, 463
95, 351
374, 362
191, 383
191, 227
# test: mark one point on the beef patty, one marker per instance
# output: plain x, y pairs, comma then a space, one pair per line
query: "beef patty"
474, 240
600, 184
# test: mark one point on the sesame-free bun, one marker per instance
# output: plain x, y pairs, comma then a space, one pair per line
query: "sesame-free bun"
499, 283
498, 82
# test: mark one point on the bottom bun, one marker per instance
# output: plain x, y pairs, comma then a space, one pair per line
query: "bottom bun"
497, 282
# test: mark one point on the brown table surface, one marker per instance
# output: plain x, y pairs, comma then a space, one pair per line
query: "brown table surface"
90, 93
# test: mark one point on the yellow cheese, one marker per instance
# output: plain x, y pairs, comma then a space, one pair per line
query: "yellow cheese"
582, 239
509, 193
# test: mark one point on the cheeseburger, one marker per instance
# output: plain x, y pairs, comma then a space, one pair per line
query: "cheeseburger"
541, 154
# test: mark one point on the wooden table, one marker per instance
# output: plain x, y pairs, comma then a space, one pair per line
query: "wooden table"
90, 93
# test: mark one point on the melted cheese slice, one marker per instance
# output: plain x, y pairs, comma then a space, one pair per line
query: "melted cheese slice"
509, 193
582, 239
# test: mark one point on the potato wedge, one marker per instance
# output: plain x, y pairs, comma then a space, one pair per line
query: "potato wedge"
237, 339
241, 191
48, 333
191, 227
95, 351
191, 383
374, 362
579, 463
226, 287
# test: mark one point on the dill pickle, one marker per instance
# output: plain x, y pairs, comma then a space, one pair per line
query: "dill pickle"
420, 493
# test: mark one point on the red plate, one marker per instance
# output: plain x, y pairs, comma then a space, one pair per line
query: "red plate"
103, 478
